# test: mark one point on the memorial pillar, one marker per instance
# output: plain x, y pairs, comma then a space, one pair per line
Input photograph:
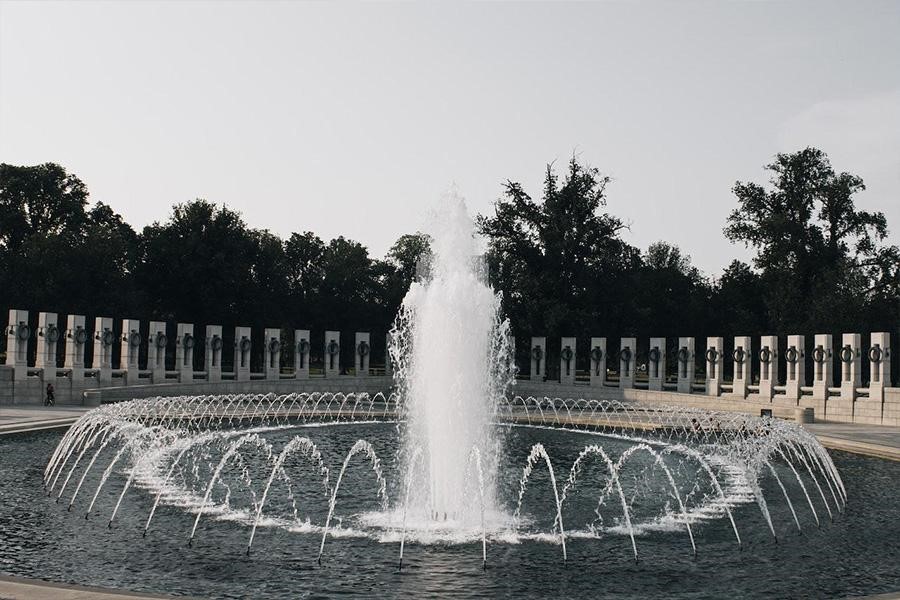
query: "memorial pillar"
567, 360
768, 366
157, 343
598, 361
213, 352
184, 352
715, 363
851, 375
823, 375
685, 357
131, 347
741, 355
795, 363
538, 359
242, 347
879, 365
103, 349
76, 339
362, 353
656, 364
301, 353
627, 355
48, 338
332, 354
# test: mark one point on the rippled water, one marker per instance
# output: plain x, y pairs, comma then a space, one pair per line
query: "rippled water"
858, 553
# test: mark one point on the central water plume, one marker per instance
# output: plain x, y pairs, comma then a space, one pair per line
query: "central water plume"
451, 349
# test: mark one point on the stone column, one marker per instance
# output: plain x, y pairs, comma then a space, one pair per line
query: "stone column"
156, 351
362, 353
301, 353
743, 351
795, 362
656, 364
103, 349
715, 363
48, 338
851, 375
17, 336
184, 352
242, 347
213, 355
627, 355
273, 353
567, 360
76, 338
598, 361
388, 361
768, 366
823, 377
332, 353
685, 357
879, 365
538, 359
131, 346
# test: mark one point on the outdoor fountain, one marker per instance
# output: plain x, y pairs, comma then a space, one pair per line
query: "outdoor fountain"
442, 471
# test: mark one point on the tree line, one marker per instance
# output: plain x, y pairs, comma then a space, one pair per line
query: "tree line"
821, 264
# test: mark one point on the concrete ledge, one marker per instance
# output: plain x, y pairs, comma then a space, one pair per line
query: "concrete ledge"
20, 588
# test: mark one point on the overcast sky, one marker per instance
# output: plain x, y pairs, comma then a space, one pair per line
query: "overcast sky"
352, 119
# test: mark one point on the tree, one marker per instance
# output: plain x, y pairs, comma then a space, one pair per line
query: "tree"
559, 262
199, 265
821, 260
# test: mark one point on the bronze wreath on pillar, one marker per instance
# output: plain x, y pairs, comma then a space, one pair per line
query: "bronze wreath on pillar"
654, 355
274, 346
847, 354
566, 354
819, 354
52, 333
791, 355
134, 339
161, 340
303, 347
597, 354
684, 354
363, 348
537, 353
739, 355
188, 341
81, 336
712, 355
876, 354
107, 337
625, 354
216, 343
245, 344
333, 347
765, 356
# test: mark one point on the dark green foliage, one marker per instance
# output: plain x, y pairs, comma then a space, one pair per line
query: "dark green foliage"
561, 263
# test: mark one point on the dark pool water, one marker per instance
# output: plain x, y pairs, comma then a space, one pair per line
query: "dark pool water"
856, 554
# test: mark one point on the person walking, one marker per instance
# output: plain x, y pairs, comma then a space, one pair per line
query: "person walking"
51, 397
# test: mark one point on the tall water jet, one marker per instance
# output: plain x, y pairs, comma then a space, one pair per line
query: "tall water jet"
451, 351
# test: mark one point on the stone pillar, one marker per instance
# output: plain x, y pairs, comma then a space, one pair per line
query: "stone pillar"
656, 364
538, 359
795, 363
184, 352
743, 351
17, 336
48, 338
213, 355
131, 347
879, 365
103, 349
851, 375
715, 363
332, 353
362, 353
567, 360
388, 361
273, 353
157, 342
301, 353
76, 338
627, 356
823, 376
768, 366
685, 357
242, 346
598, 361
514, 367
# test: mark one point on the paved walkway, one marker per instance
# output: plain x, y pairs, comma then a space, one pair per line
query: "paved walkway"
874, 440
14, 419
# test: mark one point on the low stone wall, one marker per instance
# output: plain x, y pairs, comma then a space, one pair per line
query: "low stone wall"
836, 410
345, 384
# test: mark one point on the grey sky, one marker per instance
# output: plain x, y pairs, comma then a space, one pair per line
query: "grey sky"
353, 118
